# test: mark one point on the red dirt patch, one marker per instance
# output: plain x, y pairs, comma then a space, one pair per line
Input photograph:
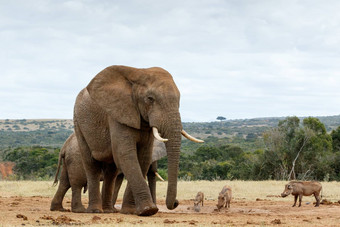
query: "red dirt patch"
17, 211
6, 169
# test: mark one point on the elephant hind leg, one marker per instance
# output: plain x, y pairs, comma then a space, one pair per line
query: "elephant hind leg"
108, 188
76, 205
64, 185
118, 183
93, 173
152, 180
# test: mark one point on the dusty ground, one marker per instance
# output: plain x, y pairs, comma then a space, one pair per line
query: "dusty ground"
34, 210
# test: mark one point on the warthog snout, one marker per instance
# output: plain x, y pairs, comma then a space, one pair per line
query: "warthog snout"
197, 208
220, 204
283, 195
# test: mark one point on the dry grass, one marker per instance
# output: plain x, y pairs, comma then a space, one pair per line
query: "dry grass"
242, 190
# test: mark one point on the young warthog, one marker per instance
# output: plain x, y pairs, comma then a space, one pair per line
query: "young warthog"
303, 188
198, 199
224, 198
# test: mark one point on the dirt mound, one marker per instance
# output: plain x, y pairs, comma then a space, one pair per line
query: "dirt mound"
22, 216
6, 169
61, 220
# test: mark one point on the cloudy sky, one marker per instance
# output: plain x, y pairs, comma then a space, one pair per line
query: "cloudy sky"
232, 58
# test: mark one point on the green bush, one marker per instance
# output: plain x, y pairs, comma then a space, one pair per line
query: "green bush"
33, 163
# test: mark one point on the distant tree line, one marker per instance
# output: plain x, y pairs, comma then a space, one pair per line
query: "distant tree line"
55, 138
294, 149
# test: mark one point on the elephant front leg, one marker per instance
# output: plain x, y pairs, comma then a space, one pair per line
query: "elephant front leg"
137, 196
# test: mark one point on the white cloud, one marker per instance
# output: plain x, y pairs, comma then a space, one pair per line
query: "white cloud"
239, 59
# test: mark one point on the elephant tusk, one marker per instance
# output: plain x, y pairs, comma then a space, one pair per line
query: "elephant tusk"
159, 176
157, 136
186, 135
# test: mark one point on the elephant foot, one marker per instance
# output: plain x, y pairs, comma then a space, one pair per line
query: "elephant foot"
79, 210
93, 210
147, 210
128, 210
115, 210
110, 210
57, 207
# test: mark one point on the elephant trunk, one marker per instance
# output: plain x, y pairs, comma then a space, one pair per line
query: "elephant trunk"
172, 132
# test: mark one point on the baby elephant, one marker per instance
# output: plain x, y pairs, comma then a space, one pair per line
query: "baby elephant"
72, 176
303, 188
224, 198
198, 199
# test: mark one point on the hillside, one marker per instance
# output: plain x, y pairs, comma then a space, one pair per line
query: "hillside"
53, 132
48, 132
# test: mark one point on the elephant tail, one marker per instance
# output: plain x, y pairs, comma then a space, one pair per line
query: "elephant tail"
85, 189
61, 157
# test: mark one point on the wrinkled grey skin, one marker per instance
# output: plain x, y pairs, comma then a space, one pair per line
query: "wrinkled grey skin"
73, 175
303, 188
198, 199
224, 197
113, 120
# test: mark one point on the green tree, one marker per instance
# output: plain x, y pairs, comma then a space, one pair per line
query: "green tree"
295, 151
335, 159
335, 134
220, 118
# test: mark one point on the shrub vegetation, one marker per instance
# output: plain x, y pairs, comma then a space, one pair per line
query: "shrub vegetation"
258, 149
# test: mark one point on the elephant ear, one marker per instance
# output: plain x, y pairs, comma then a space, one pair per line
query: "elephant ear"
112, 90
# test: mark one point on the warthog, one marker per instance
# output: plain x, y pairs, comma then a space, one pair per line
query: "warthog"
224, 198
303, 188
198, 199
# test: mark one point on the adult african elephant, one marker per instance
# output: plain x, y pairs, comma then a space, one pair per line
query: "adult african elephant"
115, 117
73, 175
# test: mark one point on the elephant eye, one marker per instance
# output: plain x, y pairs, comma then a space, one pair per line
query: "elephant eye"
150, 99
